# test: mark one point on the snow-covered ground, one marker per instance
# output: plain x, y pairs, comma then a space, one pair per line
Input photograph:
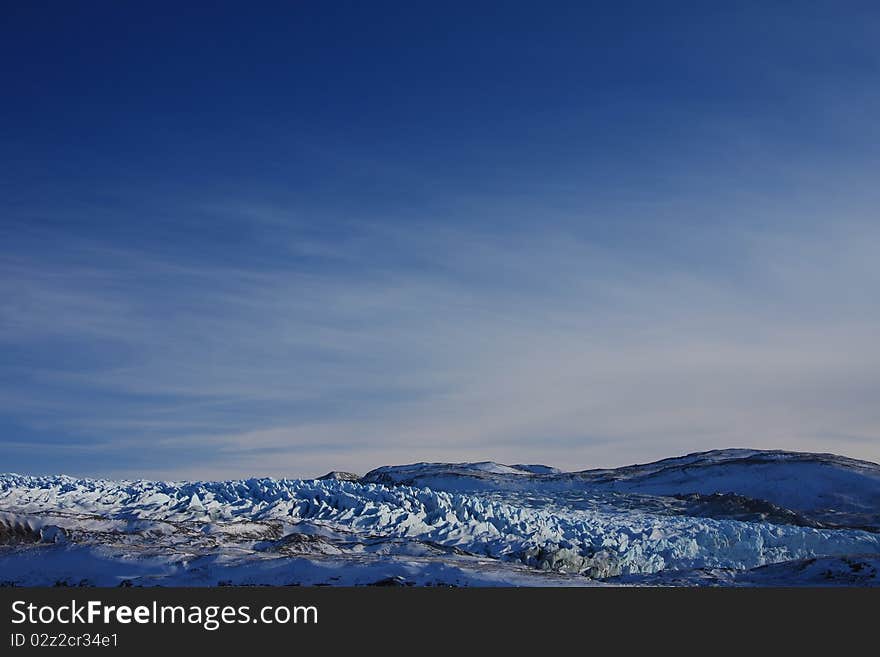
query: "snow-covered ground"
732, 517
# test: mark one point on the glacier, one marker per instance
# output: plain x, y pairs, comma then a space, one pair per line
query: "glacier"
732, 517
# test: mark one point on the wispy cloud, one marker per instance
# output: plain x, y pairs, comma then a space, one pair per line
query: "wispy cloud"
419, 344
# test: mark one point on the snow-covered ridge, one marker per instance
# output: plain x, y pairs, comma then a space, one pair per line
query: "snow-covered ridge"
702, 518
595, 543
835, 489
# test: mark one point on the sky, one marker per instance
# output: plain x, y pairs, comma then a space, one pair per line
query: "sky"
284, 238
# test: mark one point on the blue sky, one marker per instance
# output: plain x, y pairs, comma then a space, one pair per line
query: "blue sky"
303, 236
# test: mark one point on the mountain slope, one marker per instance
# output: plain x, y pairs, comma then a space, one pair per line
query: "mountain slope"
696, 519
832, 490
